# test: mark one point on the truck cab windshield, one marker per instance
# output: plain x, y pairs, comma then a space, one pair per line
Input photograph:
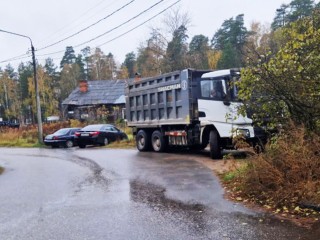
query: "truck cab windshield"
218, 89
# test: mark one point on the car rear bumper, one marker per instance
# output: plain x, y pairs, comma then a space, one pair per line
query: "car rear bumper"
87, 141
54, 142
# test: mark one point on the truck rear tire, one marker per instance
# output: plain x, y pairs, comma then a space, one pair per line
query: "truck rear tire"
158, 141
142, 141
215, 150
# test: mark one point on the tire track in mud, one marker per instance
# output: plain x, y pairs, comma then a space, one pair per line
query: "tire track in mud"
97, 178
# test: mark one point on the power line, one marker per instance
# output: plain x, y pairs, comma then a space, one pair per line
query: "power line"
72, 21
115, 38
23, 56
144, 11
82, 30
52, 53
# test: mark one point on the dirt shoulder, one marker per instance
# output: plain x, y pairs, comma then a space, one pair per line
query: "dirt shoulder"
220, 167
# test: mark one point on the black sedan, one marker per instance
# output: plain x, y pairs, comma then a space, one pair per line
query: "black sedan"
98, 134
63, 137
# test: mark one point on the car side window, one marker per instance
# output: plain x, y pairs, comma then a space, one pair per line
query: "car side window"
113, 129
107, 129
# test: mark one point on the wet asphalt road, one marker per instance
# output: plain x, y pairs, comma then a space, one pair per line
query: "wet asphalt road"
98, 193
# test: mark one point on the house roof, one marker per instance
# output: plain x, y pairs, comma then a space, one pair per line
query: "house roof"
99, 92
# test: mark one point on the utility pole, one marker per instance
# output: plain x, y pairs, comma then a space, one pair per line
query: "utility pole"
40, 131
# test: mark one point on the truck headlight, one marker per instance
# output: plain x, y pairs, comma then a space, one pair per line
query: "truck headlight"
243, 132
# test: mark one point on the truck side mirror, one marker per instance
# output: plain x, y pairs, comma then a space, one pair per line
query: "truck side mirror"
202, 114
226, 102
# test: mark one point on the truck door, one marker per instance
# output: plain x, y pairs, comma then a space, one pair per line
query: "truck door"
215, 106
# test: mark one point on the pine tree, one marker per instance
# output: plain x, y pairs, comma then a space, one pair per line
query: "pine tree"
177, 50
130, 64
198, 52
230, 39
69, 57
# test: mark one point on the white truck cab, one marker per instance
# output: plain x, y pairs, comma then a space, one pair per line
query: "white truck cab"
218, 105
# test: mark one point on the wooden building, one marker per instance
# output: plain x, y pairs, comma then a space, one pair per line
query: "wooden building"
102, 100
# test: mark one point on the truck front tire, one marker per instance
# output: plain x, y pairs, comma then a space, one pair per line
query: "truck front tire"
158, 141
215, 150
142, 141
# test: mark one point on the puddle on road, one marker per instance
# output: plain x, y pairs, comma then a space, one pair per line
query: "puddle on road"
201, 219
155, 198
152, 194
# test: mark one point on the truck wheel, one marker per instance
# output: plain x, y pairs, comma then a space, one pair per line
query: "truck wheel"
215, 150
158, 141
142, 141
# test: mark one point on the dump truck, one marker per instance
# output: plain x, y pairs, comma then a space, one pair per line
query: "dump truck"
188, 108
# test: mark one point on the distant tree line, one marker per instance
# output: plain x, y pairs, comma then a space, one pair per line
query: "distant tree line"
233, 45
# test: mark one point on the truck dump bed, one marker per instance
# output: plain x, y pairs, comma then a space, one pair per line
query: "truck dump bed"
163, 100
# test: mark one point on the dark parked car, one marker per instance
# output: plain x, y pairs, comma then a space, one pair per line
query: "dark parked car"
10, 124
98, 134
63, 137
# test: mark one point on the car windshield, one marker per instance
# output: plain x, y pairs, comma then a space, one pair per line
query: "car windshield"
92, 128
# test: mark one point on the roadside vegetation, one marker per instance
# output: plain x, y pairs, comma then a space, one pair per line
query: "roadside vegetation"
280, 85
285, 179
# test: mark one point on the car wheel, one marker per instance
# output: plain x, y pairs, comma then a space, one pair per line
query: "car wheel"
82, 145
105, 142
69, 144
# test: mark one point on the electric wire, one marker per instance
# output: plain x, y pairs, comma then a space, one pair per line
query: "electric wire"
72, 21
115, 38
81, 44
86, 28
24, 56
144, 11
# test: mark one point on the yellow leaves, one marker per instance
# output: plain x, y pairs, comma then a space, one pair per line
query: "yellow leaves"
300, 69
285, 209
213, 58
277, 210
239, 198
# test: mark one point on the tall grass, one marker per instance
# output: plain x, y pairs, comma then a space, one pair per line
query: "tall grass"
288, 173
17, 138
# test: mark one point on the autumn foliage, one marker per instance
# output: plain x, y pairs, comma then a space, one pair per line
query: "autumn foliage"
287, 175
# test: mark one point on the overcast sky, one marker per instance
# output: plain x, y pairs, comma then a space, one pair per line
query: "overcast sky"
48, 22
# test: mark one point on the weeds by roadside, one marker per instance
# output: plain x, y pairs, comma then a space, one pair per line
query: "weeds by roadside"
127, 144
285, 179
1, 169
